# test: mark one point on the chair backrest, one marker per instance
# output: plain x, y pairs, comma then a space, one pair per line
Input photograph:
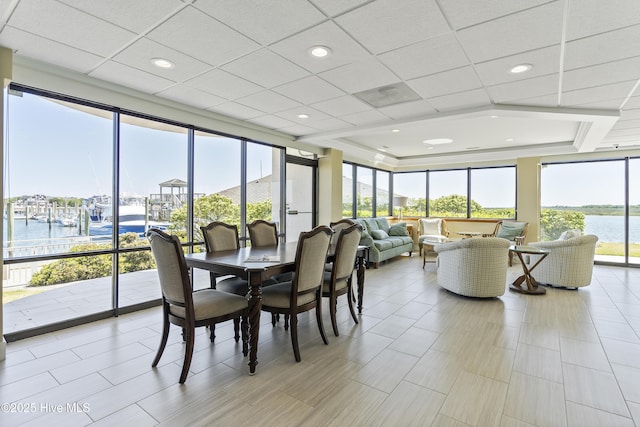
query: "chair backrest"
338, 226
511, 229
346, 250
311, 255
431, 226
172, 268
263, 233
219, 236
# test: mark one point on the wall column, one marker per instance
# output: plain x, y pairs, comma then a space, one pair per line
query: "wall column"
6, 66
528, 202
330, 186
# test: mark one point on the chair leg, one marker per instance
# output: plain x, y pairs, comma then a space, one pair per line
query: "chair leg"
163, 342
212, 332
294, 337
319, 319
245, 336
273, 320
333, 307
188, 353
286, 322
353, 312
236, 329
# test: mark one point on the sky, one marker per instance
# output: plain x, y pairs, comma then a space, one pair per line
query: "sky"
59, 151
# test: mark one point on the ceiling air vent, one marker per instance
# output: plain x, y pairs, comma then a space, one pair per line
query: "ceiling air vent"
384, 96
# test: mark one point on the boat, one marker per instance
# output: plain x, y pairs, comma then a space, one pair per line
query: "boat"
131, 220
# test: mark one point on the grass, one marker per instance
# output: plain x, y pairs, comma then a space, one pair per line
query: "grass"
617, 249
9, 295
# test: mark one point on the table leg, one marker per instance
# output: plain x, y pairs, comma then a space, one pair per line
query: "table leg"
255, 305
362, 261
532, 285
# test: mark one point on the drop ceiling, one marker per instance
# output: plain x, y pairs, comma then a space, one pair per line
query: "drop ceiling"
250, 60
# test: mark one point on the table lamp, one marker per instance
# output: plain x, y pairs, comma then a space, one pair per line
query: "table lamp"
400, 202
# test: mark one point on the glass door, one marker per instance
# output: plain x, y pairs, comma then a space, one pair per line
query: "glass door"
300, 212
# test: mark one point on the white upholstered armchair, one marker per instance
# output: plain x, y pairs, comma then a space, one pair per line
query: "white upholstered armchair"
473, 267
569, 263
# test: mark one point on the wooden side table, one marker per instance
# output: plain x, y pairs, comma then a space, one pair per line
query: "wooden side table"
532, 286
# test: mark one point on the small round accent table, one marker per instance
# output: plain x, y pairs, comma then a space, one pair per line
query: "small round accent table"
531, 284
426, 245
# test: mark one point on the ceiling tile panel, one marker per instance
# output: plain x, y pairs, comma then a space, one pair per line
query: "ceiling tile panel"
140, 15
598, 93
452, 81
309, 90
588, 17
456, 101
344, 49
365, 117
549, 101
298, 130
336, 7
330, 124
341, 106
408, 109
140, 54
256, 18
603, 74
239, 111
190, 96
537, 86
602, 48
414, 21
269, 102
314, 115
361, 75
461, 14
426, 57
223, 84
273, 122
544, 61
32, 46
61, 23
131, 77
197, 34
528, 30
265, 68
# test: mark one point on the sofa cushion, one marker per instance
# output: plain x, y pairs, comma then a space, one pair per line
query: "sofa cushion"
383, 245
399, 229
379, 234
511, 230
399, 241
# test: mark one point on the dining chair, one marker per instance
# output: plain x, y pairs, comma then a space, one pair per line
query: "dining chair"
185, 308
263, 233
338, 281
219, 236
304, 292
337, 228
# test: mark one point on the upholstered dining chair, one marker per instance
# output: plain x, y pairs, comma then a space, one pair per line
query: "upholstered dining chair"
263, 233
185, 308
338, 281
219, 236
304, 292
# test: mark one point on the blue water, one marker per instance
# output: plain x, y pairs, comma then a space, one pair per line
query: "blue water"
34, 231
611, 228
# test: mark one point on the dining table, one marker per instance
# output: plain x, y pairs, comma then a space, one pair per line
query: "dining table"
257, 264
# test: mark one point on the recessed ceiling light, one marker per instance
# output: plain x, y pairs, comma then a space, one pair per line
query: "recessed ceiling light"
438, 141
509, 139
319, 51
395, 130
162, 63
521, 68
303, 116
494, 116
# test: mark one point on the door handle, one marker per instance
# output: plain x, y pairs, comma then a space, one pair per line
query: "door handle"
292, 212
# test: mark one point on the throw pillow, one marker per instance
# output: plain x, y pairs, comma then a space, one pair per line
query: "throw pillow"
510, 230
431, 226
399, 230
379, 234
569, 234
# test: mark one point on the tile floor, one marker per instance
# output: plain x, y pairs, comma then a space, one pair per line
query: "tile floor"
420, 356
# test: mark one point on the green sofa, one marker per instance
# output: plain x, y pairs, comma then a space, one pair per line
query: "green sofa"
384, 241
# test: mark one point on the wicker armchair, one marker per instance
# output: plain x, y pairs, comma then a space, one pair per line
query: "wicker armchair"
473, 267
569, 263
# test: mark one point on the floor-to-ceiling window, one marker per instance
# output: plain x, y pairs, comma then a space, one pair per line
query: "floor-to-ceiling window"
83, 186
634, 211
347, 190
493, 192
589, 196
364, 192
448, 193
382, 193
413, 186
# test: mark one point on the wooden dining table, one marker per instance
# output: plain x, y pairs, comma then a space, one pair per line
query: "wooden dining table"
258, 264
